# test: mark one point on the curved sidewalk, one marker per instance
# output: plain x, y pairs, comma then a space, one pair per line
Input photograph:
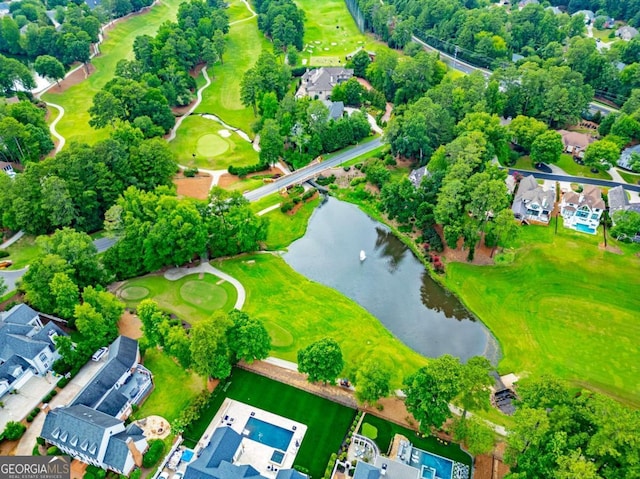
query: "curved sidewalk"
175, 274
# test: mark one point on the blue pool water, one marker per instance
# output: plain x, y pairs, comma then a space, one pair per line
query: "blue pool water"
277, 457
585, 228
187, 454
265, 433
443, 467
428, 473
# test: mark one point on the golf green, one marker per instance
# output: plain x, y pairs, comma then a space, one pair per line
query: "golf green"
211, 145
200, 293
134, 293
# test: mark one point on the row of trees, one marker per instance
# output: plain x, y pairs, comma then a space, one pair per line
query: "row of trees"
283, 22
157, 229
145, 88
81, 183
211, 347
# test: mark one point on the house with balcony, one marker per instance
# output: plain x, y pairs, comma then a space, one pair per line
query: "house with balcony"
533, 202
92, 427
582, 211
318, 84
575, 143
27, 347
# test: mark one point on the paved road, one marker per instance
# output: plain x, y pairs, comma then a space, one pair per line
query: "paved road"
12, 277
576, 179
308, 172
467, 68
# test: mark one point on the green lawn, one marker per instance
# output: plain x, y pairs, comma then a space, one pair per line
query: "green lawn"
212, 151
174, 387
265, 202
604, 35
562, 307
297, 312
222, 98
327, 422
630, 178
362, 158
23, 252
567, 164
331, 33
77, 100
190, 298
247, 184
385, 431
284, 228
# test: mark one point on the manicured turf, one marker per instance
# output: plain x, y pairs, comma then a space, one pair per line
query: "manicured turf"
331, 33
190, 298
567, 164
386, 430
266, 202
222, 98
212, 151
246, 184
118, 45
23, 252
174, 387
285, 228
309, 311
630, 178
327, 422
564, 307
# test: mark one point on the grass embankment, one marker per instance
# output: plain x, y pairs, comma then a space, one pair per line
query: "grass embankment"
266, 202
327, 422
284, 228
77, 100
190, 298
22, 252
297, 312
174, 387
222, 98
331, 33
630, 178
201, 137
564, 307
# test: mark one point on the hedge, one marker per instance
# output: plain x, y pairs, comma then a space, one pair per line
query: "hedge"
245, 170
153, 455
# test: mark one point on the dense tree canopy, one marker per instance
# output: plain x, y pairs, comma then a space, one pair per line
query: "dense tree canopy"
321, 361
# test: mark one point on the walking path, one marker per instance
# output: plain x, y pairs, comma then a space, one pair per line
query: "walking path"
12, 240
172, 133
175, 274
269, 209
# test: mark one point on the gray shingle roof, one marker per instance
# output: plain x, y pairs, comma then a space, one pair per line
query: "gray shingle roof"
28, 348
290, 474
46, 334
19, 314
617, 199
79, 428
117, 452
324, 79
123, 353
7, 368
113, 403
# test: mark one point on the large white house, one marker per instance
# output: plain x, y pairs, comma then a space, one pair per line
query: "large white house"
92, 427
318, 84
533, 202
582, 211
27, 347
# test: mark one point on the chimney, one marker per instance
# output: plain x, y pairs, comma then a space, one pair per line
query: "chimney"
137, 455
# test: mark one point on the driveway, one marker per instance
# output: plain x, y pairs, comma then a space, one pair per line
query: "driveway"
12, 277
18, 406
63, 398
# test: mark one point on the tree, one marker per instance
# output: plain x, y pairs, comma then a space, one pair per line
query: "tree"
430, 389
321, 361
49, 67
525, 130
93, 326
359, 62
271, 143
601, 155
547, 147
626, 225
66, 295
36, 281
13, 431
57, 201
250, 90
373, 381
209, 349
219, 44
247, 337
475, 434
177, 344
150, 317
475, 382
13, 73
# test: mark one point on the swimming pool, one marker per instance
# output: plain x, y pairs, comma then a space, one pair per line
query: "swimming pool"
277, 457
269, 434
187, 455
442, 466
584, 228
428, 472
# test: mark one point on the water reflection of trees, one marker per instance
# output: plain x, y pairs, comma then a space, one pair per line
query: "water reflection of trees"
391, 248
435, 297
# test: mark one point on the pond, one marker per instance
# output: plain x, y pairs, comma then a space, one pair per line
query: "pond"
391, 283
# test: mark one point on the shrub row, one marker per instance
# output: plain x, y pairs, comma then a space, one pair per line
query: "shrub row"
153, 455
308, 194
63, 382
32, 415
324, 180
3, 253
49, 396
245, 170
190, 172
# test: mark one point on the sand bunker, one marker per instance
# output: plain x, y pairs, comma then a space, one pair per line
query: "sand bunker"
224, 133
